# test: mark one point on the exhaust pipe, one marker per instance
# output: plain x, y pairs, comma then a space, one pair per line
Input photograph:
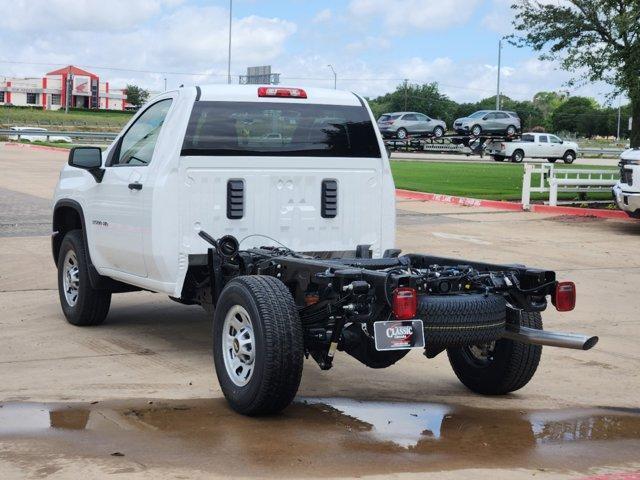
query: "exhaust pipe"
552, 339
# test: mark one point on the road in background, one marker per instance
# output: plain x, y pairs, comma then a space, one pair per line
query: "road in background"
461, 158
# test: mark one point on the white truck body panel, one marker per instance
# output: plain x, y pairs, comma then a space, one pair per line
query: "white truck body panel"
145, 237
627, 191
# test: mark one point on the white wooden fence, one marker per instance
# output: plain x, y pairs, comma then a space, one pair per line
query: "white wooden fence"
559, 180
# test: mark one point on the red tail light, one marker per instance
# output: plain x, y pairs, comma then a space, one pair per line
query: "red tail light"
405, 303
564, 298
281, 92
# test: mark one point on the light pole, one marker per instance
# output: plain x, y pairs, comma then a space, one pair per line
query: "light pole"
229, 57
499, 62
335, 77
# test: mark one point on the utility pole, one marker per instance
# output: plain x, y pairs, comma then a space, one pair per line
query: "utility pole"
618, 134
67, 92
499, 62
335, 77
229, 57
406, 92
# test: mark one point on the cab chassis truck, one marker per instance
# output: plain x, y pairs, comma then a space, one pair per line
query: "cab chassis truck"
274, 209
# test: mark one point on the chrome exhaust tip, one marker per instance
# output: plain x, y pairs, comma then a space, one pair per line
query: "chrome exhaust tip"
552, 339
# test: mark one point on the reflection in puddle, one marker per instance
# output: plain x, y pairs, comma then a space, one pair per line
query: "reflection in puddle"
332, 435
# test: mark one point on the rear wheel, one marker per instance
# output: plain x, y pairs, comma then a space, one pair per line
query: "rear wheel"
511, 130
81, 304
517, 156
499, 367
401, 133
258, 347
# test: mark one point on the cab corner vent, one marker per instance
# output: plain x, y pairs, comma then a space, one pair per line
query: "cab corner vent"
235, 199
329, 200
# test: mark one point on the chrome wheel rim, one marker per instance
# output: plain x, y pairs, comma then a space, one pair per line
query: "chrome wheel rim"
482, 354
238, 345
439, 132
401, 134
71, 278
476, 131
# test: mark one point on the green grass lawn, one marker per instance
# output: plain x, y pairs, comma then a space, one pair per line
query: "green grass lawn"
82, 120
475, 180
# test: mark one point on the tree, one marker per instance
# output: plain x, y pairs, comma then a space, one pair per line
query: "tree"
578, 114
136, 96
598, 40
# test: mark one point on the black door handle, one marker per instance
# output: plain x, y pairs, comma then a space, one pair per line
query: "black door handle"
135, 186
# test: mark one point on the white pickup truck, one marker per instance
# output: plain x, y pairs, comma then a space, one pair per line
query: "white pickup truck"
302, 178
627, 191
533, 145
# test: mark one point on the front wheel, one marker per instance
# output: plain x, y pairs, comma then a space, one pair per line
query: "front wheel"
569, 157
438, 132
81, 304
499, 367
258, 347
476, 130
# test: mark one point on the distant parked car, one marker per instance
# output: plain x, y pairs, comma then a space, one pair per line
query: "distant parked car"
403, 124
37, 135
488, 121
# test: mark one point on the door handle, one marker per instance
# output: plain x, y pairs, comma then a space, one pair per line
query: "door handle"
135, 186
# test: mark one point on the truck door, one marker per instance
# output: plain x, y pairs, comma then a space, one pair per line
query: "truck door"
120, 207
556, 149
543, 149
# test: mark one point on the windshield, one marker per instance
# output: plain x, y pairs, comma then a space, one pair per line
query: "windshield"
280, 129
478, 114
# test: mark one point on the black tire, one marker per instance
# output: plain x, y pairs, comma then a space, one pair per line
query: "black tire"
509, 367
517, 156
91, 306
466, 319
401, 133
438, 132
568, 157
511, 130
552, 160
497, 158
278, 345
476, 130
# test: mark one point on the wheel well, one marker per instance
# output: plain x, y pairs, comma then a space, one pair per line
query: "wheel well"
518, 150
65, 219
570, 151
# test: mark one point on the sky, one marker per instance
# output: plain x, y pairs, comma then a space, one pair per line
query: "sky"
372, 44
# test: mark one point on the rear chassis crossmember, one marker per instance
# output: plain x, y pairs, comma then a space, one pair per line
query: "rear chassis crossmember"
336, 293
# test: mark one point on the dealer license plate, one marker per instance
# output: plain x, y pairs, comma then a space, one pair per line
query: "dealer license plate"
398, 334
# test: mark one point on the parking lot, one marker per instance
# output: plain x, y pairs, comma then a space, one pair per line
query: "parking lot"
137, 397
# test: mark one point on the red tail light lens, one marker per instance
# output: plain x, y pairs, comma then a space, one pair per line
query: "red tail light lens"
405, 303
281, 92
564, 298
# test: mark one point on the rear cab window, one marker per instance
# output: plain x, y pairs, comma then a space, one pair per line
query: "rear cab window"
279, 129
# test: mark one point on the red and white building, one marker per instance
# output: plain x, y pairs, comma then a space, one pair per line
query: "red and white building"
84, 90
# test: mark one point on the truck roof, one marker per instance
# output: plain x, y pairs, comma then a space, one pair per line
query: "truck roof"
249, 93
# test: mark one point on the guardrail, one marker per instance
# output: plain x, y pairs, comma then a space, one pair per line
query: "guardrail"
599, 151
20, 134
560, 180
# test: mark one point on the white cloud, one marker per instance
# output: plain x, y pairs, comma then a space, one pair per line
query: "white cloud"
323, 16
420, 14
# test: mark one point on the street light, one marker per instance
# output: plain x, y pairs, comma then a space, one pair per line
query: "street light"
499, 62
229, 58
335, 76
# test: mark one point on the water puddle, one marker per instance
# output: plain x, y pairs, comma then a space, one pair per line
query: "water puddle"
325, 436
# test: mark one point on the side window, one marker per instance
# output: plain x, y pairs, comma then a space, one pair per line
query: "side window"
543, 139
410, 117
138, 143
501, 115
423, 118
554, 139
490, 116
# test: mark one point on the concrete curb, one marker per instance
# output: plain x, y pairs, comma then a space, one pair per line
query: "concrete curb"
35, 147
512, 206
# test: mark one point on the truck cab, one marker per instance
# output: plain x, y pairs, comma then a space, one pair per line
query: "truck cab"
305, 168
627, 191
